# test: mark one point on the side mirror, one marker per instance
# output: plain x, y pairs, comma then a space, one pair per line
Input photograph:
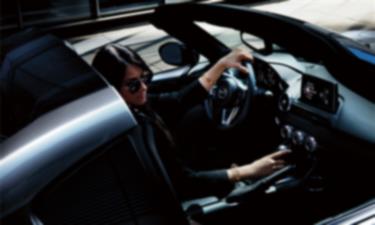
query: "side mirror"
178, 54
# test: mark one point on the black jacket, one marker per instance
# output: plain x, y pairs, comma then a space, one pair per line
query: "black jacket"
188, 182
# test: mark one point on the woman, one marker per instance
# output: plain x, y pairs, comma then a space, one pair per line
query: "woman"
129, 74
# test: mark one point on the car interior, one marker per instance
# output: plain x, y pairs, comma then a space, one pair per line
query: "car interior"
318, 104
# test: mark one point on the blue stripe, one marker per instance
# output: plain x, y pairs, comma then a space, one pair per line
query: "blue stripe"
363, 55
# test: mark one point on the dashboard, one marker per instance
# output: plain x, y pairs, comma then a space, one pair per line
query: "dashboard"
313, 109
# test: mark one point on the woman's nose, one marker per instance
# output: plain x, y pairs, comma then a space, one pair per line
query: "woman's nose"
143, 86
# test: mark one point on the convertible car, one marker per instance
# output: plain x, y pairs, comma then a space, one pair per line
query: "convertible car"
69, 152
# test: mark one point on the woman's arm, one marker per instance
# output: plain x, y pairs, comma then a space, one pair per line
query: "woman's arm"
197, 91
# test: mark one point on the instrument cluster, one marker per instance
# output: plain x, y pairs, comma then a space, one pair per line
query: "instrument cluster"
268, 78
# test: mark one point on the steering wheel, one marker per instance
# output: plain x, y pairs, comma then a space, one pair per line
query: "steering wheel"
229, 100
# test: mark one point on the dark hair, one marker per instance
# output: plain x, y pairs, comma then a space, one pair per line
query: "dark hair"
112, 60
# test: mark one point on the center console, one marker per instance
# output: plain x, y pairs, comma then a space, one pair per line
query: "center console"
305, 119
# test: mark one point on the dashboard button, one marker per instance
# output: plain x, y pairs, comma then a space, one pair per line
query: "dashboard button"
298, 137
310, 144
286, 132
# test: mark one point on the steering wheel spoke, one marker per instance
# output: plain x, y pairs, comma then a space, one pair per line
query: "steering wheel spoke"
227, 115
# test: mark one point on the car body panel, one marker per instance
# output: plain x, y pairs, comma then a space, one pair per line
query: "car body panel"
39, 74
54, 142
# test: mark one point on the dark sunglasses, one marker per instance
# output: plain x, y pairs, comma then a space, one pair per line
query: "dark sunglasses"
135, 84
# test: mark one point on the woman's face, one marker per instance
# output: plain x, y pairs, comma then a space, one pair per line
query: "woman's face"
134, 85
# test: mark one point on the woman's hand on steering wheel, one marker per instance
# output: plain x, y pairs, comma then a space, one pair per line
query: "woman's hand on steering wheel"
232, 60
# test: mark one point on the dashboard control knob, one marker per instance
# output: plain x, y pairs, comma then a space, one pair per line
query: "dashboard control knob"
284, 103
298, 137
286, 132
310, 144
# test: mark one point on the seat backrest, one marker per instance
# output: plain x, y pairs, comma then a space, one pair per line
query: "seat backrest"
39, 74
122, 185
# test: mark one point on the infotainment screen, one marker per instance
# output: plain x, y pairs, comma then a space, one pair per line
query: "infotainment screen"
319, 93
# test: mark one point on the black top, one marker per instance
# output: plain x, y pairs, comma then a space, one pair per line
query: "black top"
188, 182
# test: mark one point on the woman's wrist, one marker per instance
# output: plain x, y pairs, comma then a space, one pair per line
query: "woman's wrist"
209, 79
234, 174
242, 172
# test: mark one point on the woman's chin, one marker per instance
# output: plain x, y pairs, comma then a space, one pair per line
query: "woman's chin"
141, 102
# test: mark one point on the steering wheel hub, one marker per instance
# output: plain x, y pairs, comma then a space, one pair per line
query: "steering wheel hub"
226, 91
